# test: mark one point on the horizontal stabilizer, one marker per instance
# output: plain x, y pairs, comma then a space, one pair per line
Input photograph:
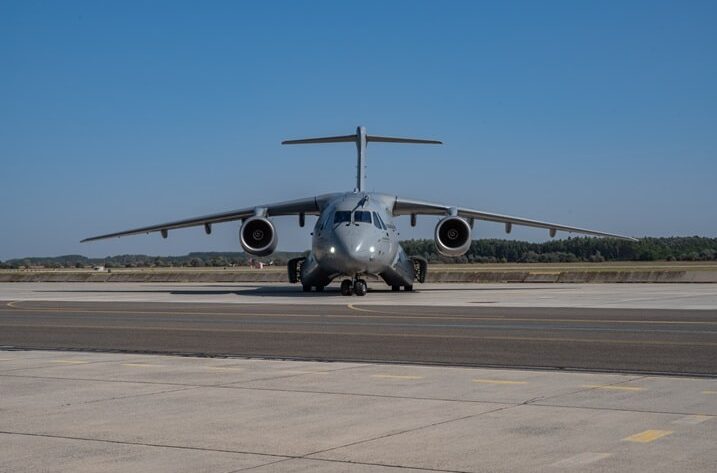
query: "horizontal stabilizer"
388, 139
361, 138
328, 139
369, 138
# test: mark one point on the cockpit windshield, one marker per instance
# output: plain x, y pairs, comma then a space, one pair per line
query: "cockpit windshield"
361, 216
344, 216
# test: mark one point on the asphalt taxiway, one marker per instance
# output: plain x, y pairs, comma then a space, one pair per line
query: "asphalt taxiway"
598, 327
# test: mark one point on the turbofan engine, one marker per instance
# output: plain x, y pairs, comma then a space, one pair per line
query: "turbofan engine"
258, 236
453, 236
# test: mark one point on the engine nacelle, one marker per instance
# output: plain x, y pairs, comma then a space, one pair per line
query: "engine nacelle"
258, 236
453, 236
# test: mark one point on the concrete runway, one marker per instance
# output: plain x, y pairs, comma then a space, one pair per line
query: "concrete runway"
469, 330
114, 412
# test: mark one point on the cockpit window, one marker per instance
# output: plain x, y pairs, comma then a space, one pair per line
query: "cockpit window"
342, 216
377, 221
380, 220
361, 216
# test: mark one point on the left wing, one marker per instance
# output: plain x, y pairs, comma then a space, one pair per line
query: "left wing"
408, 206
310, 206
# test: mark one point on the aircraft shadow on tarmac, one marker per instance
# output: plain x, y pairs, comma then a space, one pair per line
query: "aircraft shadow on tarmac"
282, 291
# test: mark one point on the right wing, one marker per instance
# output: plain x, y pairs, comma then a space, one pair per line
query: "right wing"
409, 206
310, 206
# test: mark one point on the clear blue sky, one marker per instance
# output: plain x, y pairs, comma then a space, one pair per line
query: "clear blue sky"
121, 114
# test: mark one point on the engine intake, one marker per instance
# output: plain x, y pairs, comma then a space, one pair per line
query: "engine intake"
453, 236
258, 236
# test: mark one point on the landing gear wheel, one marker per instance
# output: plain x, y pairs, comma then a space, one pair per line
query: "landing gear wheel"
395, 288
319, 288
346, 287
408, 288
306, 288
360, 287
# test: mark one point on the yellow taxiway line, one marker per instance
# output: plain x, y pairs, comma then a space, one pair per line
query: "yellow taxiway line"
648, 436
369, 334
382, 314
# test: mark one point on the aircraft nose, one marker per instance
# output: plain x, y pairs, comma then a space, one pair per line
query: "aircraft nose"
352, 248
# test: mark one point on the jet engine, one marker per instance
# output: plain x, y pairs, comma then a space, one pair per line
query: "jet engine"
453, 236
258, 236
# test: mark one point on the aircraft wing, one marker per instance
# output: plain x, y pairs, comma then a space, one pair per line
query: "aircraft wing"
310, 206
408, 206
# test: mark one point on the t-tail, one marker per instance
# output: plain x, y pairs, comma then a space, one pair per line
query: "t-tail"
361, 139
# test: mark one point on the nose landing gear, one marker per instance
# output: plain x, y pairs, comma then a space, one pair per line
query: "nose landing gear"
358, 287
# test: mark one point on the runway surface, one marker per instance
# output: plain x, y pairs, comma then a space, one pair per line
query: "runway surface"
115, 412
127, 407
670, 341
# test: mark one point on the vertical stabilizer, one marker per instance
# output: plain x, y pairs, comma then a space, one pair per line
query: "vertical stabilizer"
361, 139
361, 159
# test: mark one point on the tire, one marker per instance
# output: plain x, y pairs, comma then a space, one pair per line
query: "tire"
346, 289
306, 288
319, 288
408, 288
395, 288
360, 288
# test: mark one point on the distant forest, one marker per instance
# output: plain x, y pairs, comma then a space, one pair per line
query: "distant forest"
481, 251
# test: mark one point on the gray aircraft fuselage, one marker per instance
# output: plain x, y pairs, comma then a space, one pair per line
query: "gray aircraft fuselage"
355, 235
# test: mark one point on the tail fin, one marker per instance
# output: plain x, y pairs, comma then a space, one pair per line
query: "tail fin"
361, 139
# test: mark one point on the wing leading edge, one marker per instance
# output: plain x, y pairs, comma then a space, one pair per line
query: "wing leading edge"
307, 206
408, 206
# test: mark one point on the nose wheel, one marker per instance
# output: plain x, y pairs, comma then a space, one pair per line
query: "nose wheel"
358, 287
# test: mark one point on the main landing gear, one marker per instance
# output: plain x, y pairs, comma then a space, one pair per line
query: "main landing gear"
358, 287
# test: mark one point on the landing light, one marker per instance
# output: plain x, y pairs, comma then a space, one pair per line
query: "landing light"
371, 249
332, 250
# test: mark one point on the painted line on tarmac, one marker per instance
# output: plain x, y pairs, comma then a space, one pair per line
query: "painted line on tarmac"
581, 459
498, 381
360, 309
692, 420
370, 334
70, 362
609, 387
648, 436
434, 325
395, 376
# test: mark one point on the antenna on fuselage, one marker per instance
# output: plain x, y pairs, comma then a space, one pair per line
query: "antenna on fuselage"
361, 139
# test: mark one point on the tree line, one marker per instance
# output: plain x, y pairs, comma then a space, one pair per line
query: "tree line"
582, 249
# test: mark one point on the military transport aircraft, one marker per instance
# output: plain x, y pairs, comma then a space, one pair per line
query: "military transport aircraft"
355, 235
